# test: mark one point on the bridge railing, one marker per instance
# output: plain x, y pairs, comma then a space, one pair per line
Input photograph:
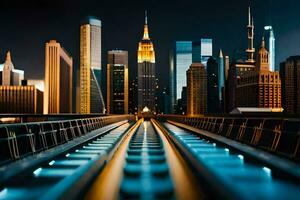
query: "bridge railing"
23, 139
277, 135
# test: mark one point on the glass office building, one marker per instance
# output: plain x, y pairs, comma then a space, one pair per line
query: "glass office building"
206, 50
182, 56
183, 59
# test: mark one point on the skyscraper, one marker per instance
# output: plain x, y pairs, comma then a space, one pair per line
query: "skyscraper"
117, 82
271, 45
14, 97
290, 76
239, 67
196, 89
91, 98
212, 86
226, 66
182, 60
182, 56
58, 79
221, 80
260, 88
146, 72
8, 74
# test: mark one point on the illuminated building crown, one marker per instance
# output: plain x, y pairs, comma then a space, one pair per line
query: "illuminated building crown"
146, 50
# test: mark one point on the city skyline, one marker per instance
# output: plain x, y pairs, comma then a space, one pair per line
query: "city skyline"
177, 29
149, 99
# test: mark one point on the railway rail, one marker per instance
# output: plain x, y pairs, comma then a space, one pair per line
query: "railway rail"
150, 159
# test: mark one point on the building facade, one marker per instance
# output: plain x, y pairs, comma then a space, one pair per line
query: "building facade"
21, 99
117, 82
58, 79
196, 90
91, 97
133, 96
146, 72
290, 77
8, 74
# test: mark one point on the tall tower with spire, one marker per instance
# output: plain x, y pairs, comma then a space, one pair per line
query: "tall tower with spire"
221, 78
250, 27
10, 75
262, 61
146, 71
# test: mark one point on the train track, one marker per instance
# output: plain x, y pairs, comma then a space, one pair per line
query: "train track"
147, 167
152, 160
66, 171
231, 171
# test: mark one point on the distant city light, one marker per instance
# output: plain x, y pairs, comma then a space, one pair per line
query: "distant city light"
146, 109
268, 28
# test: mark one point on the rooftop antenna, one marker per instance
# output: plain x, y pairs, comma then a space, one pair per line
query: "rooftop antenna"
146, 18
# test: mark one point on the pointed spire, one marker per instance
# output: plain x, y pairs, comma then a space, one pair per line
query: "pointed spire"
263, 43
146, 34
221, 54
146, 17
8, 57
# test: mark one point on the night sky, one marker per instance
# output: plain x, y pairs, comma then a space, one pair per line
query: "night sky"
27, 25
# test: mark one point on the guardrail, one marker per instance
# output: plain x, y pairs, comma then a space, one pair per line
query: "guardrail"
277, 135
20, 140
26, 118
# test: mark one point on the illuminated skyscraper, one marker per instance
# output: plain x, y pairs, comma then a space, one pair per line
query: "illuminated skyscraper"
91, 98
196, 89
19, 99
14, 97
146, 72
117, 82
271, 44
260, 88
8, 74
58, 79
